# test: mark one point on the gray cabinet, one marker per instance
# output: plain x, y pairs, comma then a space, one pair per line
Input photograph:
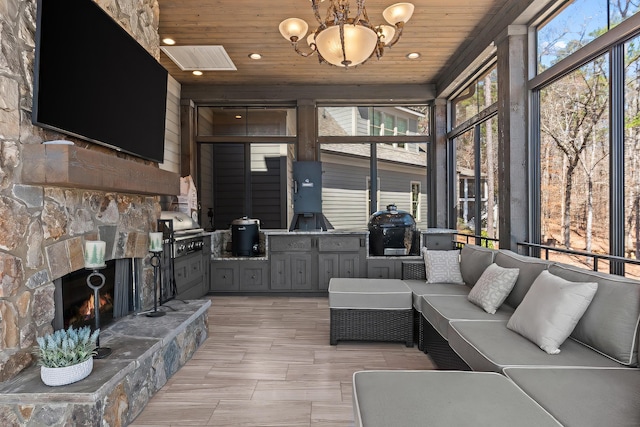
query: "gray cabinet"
438, 239
340, 256
238, 276
382, 269
292, 263
189, 276
296, 262
254, 276
291, 271
337, 265
388, 267
224, 276
206, 264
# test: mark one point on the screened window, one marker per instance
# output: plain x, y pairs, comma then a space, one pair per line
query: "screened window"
576, 24
246, 121
402, 126
373, 121
346, 182
479, 95
415, 200
574, 159
389, 124
632, 153
377, 206
476, 154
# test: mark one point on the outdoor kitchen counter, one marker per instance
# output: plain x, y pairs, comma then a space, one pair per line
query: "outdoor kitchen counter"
221, 241
289, 261
303, 262
432, 238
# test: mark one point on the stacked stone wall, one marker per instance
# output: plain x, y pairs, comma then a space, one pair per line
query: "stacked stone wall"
42, 229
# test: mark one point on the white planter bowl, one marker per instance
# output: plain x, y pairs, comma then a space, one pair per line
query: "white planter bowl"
67, 374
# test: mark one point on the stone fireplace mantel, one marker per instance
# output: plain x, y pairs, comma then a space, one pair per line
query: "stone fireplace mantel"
75, 167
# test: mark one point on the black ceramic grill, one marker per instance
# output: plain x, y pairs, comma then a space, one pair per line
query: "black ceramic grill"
391, 232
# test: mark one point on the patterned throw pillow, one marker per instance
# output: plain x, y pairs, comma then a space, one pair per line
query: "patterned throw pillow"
442, 266
493, 287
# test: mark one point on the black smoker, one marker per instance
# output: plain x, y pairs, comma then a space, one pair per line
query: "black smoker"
245, 240
391, 232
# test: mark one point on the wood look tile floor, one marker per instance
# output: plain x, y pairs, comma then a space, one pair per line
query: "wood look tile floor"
268, 362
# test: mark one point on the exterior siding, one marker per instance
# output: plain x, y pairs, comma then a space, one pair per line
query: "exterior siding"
266, 192
228, 182
344, 191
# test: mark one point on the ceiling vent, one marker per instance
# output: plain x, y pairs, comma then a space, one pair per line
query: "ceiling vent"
204, 58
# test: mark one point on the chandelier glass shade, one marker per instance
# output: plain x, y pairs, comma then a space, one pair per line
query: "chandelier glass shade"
346, 41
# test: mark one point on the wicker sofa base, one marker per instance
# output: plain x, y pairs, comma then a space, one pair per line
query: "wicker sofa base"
371, 325
438, 349
417, 329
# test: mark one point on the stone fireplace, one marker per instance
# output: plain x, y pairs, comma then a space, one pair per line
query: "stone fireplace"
53, 198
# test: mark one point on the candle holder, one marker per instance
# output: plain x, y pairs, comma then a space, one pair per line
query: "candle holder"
157, 276
101, 352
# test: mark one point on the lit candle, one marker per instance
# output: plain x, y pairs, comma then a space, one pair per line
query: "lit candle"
94, 253
155, 242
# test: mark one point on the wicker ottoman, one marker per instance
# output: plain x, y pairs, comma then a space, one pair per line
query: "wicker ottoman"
370, 310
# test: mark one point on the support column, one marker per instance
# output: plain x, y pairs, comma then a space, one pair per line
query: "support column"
308, 148
513, 207
188, 138
440, 200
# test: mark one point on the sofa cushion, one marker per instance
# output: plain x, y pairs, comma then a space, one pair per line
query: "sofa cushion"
439, 310
442, 266
420, 288
529, 267
583, 396
610, 324
493, 287
382, 294
551, 309
490, 346
473, 261
442, 398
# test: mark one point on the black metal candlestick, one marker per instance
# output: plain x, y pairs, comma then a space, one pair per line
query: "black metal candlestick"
157, 276
101, 352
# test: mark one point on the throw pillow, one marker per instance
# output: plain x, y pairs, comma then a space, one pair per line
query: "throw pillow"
551, 309
442, 266
493, 287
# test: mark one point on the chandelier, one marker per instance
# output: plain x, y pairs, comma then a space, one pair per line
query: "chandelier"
346, 41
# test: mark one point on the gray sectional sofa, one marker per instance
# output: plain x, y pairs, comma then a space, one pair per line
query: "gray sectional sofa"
593, 381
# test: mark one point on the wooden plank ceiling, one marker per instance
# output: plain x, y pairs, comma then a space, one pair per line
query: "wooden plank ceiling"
437, 30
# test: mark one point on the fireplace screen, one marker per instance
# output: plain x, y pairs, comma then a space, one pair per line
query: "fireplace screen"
74, 299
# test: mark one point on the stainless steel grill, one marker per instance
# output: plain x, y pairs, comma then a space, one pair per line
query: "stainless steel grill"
185, 234
183, 260
187, 242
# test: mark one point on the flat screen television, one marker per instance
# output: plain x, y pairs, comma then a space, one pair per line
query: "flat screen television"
94, 81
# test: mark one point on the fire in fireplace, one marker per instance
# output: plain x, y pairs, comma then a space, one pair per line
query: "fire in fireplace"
74, 299
85, 313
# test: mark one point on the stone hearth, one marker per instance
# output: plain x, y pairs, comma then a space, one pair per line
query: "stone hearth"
146, 353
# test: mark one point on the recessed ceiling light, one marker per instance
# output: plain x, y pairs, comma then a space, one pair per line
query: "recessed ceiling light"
238, 116
255, 56
169, 41
197, 73
413, 55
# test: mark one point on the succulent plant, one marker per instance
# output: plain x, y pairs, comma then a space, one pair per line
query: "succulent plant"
66, 347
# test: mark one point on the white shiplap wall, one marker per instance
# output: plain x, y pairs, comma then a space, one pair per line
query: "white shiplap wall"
172, 131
